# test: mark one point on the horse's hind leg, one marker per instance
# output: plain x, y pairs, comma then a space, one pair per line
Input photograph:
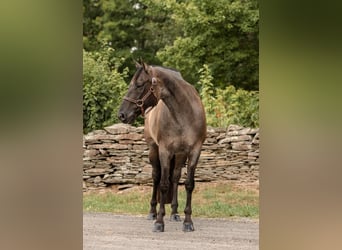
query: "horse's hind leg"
165, 158
154, 160
189, 186
179, 163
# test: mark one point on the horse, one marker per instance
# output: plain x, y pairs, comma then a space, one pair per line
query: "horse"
175, 129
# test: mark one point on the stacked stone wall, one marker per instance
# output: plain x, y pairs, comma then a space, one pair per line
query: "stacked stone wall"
119, 155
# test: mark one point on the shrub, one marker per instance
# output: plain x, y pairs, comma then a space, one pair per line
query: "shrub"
103, 88
229, 105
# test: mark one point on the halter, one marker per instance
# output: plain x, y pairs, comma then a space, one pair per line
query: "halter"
140, 102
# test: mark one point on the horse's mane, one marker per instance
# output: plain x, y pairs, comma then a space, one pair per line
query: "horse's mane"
163, 67
170, 71
175, 73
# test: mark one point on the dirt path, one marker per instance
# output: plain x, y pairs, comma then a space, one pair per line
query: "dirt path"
109, 231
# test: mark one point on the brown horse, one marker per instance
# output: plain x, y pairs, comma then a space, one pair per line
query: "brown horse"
175, 128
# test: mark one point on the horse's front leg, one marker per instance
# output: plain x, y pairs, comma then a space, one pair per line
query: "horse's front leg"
154, 160
164, 158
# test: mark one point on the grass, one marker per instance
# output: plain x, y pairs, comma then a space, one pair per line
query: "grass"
209, 200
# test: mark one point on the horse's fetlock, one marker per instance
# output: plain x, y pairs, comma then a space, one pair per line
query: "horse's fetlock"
188, 210
153, 203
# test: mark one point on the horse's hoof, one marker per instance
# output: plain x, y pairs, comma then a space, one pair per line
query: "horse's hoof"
151, 216
175, 217
158, 227
188, 227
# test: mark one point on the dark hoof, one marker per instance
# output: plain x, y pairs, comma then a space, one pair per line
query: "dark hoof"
188, 227
151, 216
175, 217
158, 227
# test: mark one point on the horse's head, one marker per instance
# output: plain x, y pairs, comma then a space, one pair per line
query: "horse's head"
140, 95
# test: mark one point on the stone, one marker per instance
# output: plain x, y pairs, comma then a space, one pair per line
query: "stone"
90, 152
98, 171
244, 168
140, 147
235, 139
97, 179
122, 187
253, 131
233, 127
211, 140
253, 154
232, 177
256, 139
113, 180
130, 136
119, 128
100, 137
241, 146
118, 159
110, 146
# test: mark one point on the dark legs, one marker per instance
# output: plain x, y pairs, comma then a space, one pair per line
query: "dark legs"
165, 158
178, 164
189, 187
154, 160
162, 179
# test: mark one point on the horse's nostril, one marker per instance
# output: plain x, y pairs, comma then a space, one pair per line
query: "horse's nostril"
122, 116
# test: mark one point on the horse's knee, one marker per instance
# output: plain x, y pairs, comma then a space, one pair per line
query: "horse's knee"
164, 186
189, 185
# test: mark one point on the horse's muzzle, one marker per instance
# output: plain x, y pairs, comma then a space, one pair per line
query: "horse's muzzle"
122, 117
127, 118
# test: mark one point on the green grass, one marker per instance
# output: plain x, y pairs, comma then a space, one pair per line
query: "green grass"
219, 200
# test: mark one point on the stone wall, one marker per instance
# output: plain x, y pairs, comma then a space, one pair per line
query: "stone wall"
119, 155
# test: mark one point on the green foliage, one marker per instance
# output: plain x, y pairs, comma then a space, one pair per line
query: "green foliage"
181, 34
222, 34
103, 89
134, 28
229, 105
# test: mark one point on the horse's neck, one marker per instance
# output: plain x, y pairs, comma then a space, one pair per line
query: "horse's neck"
176, 99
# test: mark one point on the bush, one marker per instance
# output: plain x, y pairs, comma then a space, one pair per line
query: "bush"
229, 105
103, 88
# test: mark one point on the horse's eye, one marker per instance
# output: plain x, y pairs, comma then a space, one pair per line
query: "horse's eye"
139, 85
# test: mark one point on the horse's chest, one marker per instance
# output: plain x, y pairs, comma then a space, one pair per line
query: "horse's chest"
164, 131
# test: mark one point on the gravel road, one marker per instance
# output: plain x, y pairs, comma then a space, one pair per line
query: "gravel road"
109, 231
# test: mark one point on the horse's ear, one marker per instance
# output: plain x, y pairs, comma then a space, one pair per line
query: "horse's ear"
137, 64
145, 67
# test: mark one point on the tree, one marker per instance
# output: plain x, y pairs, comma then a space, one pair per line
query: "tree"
222, 34
136, 29
103, 89
181, 34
